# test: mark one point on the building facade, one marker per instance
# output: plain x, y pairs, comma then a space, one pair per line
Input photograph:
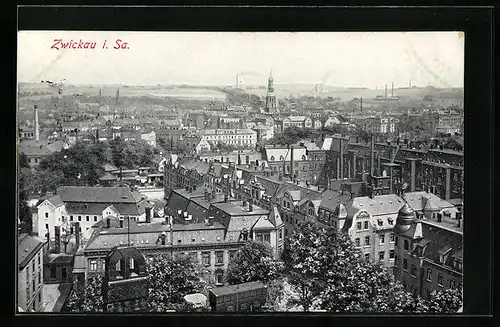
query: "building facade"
30, 273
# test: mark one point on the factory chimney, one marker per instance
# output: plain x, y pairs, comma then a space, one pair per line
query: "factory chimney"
291, 164
37, 131
386, 91
237, 81
392, 90
361, 104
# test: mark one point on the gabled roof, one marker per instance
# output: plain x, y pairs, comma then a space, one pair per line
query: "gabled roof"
87, 194
275, 217
414, 199
263, 223
379, 205
55, 200
285, 153
27, 248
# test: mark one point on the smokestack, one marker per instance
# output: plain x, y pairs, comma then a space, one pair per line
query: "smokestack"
392, 90
121, 222
386, 91
239, 158
372, 159
237, 84
225, 197
341, 159
361, 104
148, 214
77, 234
37, 131
354, 157
291, 163
48, 240
412, 175
448, 184
250, 206
57, 236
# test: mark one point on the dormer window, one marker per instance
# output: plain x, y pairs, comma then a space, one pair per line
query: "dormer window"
391, 221
380, 222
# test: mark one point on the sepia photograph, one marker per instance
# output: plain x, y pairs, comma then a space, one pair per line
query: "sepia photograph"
240, 172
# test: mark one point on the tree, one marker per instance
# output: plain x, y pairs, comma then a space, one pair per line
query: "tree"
170, 280
23, 160
313, 254
447, 301
253, 262
325, 268
88, 298
24, 213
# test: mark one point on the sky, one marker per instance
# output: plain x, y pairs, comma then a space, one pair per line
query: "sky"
361, 59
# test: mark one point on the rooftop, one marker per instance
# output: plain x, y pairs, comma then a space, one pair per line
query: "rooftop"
27, 247
237, 209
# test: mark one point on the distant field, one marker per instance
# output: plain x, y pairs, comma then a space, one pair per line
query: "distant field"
346, 94
281, 90
125, 91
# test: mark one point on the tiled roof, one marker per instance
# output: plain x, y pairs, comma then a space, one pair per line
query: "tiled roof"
263, 223
98, 194
55, 200
285, 153
275, 217
27, 248
237, 209
238, 223
34, 150
379, 205
197, 226
441, 239
415, 200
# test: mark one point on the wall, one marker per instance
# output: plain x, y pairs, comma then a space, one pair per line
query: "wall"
26, 301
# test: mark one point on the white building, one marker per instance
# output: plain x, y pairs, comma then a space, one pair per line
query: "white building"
231, 136
150, 138
87, 206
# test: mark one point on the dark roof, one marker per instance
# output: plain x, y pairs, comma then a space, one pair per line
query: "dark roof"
89, 194
197, 226
27, 247
218, 291
97, 208
237, 209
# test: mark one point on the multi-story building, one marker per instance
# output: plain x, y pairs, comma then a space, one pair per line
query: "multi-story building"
385, 125
295, 161
185, 172
428, 252
30, 273
238, 136
297, 121
86, 205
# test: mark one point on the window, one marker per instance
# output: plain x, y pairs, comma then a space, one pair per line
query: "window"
406, 245
70, 218
103, 264
405, 264
132, 262
63, 273
79, 218
357, 241
87, 217
413, 271
219, 257
367, 256
366, 224
280, 233
47, 227
46, 215
396, 241
93, 265
118, 266
391, 254
39, 257
392, 238
382, 239
429, 275
381, 255
206, 258
452, 283
440, 279
95, 218
367, 240
267, 238
219, 278
39, 297
358, 225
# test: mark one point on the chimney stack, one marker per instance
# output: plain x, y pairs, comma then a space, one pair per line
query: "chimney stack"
37, 131
244, 203
250, 206
121, 222
439, 217
386, 91
57, 236
392, 90
77, 234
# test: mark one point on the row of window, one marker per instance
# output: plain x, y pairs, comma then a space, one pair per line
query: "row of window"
367, 240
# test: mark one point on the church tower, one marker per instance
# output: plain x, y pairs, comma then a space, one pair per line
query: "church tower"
271, 96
